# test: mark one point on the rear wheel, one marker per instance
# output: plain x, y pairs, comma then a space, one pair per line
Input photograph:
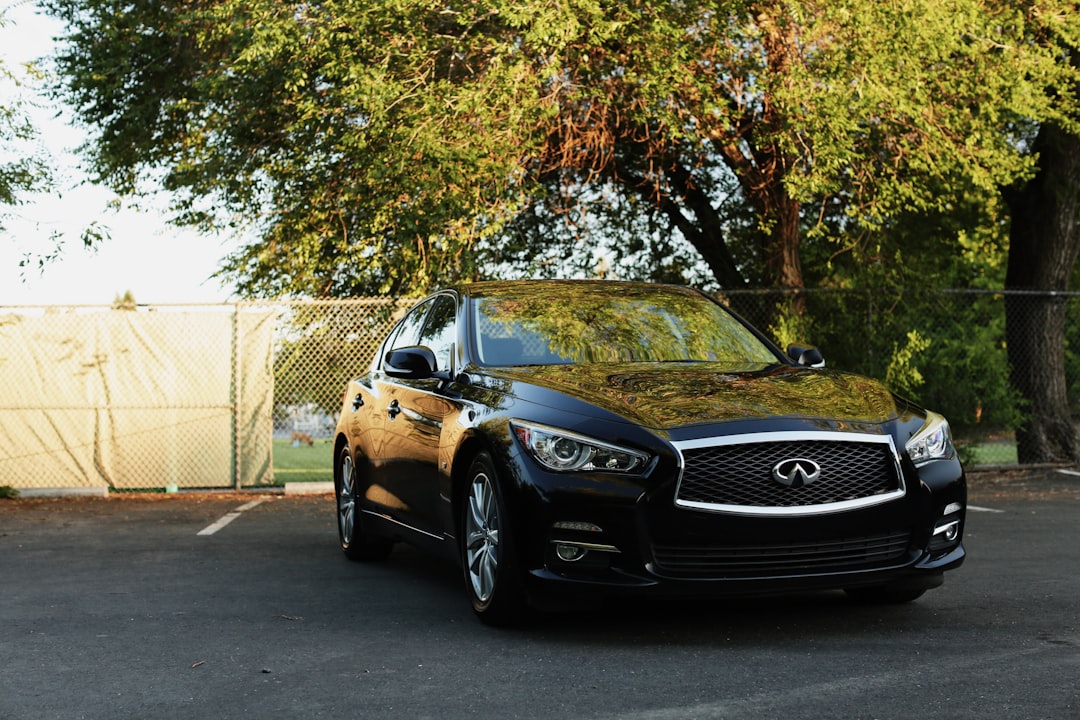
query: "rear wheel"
355, 542
492, 578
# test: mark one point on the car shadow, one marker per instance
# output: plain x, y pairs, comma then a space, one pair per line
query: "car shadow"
750, 621
775, 620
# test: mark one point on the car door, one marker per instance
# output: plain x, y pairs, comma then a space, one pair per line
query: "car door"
416, 410
376, 423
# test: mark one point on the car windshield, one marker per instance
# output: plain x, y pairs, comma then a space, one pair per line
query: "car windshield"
562, 323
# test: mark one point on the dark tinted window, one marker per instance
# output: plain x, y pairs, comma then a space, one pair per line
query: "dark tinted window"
407, 333
572, 323
440, 330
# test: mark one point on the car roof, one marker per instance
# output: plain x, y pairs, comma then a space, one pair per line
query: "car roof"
497, 287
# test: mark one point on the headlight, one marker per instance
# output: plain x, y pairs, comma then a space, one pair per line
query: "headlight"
932, 442
565, 451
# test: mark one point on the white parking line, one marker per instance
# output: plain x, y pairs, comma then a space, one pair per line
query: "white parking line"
976, 508
228, 518
1069, 472
222, 522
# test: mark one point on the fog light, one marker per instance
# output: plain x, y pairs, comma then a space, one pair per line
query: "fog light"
950, 530
569, 553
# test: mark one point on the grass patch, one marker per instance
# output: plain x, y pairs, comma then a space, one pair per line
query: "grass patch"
995, 454
304, 463
988, 452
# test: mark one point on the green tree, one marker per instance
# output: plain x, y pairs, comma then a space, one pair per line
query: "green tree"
1045, 243
389, 145
24, 167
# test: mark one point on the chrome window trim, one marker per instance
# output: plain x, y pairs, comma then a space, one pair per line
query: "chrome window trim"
788, 436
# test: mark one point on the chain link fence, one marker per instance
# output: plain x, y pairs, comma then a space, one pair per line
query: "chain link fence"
169, 397
318, 347
246, 394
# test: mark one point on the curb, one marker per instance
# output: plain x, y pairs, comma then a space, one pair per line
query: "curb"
102, 491
309, 488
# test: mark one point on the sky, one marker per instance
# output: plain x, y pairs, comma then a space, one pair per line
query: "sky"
157, 263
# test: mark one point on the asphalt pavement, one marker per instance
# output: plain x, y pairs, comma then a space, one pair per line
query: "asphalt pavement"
206, 605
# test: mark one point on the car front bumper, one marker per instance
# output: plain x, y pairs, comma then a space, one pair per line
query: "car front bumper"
614, 537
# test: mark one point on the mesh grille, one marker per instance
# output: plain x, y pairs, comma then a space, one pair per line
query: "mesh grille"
783, 558
741, 474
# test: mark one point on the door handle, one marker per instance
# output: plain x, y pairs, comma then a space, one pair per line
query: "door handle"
394, 409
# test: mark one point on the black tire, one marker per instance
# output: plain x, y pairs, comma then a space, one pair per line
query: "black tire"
884, 595
357, 544
488, 558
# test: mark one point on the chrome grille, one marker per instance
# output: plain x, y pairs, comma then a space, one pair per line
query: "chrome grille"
783, 558
736, 474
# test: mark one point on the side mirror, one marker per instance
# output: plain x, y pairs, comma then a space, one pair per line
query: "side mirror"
410, 363
806, 355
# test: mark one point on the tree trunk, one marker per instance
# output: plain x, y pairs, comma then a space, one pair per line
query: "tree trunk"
1043, 245
765, 187
706, 232
780, 253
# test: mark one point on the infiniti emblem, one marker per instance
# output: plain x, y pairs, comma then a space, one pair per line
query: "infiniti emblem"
796, 473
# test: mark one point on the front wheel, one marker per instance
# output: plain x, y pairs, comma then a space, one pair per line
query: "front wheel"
355, 543
492, 578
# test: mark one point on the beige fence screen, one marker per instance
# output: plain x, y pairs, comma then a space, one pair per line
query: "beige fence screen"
130, 399
185, 396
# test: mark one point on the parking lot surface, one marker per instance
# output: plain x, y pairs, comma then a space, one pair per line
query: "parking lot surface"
207, 605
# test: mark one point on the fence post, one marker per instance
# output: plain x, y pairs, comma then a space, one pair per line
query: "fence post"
236, 385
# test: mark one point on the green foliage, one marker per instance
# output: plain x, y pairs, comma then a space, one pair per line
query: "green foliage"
887, 288
7, 492
366, 144
791, 326
967, 369
945, 350
902, 375
24, 166
388, 146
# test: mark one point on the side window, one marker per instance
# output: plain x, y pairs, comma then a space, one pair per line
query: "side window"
440, 331
408, 330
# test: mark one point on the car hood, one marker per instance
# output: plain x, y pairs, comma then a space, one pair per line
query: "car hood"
672, 395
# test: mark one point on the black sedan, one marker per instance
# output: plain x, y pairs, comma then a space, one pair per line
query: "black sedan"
569, 441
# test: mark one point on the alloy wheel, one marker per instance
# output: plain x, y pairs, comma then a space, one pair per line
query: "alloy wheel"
482, 537
346, 500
